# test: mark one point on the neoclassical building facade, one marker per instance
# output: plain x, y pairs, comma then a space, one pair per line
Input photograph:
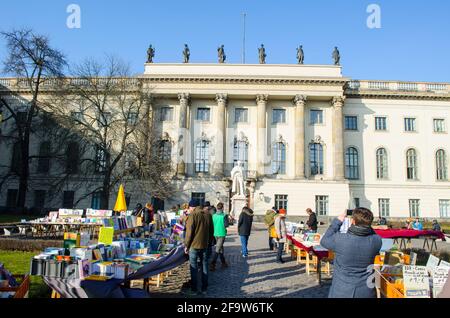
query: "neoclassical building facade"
306, 135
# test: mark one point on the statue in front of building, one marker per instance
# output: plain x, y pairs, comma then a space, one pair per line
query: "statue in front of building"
262, 54
238, 178
150, 54
221, 54
300, 55
336, 56
186, 54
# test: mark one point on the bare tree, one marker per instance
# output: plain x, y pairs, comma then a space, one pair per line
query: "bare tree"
32, 59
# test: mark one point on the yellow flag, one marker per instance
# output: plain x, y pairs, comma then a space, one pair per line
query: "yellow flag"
121, 204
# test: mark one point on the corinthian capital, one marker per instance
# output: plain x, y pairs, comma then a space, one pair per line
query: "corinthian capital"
184, 97
260, 98
221, 98
338, 101
300, 100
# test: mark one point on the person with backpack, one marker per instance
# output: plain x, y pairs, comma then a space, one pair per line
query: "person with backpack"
269, 220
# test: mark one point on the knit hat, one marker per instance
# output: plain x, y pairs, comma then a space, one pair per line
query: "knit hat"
193, 203
282, 212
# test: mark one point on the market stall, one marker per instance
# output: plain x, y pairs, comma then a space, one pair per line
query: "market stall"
403, 237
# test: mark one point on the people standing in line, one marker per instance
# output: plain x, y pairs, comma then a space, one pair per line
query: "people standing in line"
312, 221
417, 225
220, 221
355, 254
245, 229
436, 226
269, 220
280, 228
199, 236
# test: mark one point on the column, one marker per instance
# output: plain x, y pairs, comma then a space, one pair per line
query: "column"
300, 102
220, 151
338, 137
184, 99
261, 101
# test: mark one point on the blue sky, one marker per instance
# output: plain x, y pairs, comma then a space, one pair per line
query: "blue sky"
413, 43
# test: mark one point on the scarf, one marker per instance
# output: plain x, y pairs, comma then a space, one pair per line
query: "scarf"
361, 230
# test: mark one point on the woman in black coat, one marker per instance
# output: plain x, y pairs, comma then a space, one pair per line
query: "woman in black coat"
245, 228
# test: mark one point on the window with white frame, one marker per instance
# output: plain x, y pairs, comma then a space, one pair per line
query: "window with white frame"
441, 165
281, 201
202, 156
322, 205
382, 164
279, 116
241, 115
411, 164
381, 123
444, 208
439, 125
351, 123
316, 116
414, 208
203, 114
240, 153
351, 164
279, 158
384, 207
166, 114
410, 124
316, 159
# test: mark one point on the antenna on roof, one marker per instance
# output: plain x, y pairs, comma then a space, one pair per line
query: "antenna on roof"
243, 37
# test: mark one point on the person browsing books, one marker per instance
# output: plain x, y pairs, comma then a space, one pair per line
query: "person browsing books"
220, 220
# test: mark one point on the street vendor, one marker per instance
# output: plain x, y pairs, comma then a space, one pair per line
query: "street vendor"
417, 225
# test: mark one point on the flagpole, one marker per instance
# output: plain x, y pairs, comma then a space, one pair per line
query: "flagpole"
243, 39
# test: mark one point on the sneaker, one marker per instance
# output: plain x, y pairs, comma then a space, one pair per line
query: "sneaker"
280, 261
244, 256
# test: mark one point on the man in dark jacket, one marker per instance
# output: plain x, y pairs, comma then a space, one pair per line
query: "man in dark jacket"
355, 253
312, 221
199, 236
245, 228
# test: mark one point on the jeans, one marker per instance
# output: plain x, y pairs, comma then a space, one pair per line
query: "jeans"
219, 250
194, 255
244, 243
271, 246
280, 251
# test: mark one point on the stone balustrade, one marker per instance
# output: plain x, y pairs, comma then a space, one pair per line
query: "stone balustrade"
438, 88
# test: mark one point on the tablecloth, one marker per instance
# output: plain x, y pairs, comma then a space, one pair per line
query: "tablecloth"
400, 233
319, 253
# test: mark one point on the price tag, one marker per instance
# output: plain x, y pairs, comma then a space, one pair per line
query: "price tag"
416, 281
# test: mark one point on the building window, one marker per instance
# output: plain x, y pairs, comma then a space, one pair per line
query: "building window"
165, 150
351, 123
68, 199
441, 165
411, 164
39, 198
322, 205
96, 200
100, 159
410, 124
279, 158
203, 114
166, 114
22, 118
199, 196
414, 208
316, 159
279, 116
381, 123
281, 201
240, 153
357, 203
241, 115
444, 208
202, 156
72, 158
439, 125
316, 117
352, 164
382, 164
384, 207
11, 198
44, 158
132, 118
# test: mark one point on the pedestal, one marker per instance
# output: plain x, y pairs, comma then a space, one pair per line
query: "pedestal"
238, 202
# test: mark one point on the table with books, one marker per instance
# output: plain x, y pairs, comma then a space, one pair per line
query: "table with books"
404, 237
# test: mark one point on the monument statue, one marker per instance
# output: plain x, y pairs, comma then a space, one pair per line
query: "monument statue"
336, 56
221, 53
262, 54
150, 54
300, 55
186, 54
238, 178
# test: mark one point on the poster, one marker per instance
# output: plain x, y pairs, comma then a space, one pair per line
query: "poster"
416, 281
440, 276
106, 235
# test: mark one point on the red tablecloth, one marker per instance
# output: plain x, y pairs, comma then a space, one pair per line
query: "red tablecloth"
399, 233
319, 254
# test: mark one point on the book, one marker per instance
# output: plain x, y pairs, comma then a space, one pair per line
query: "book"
106, 235
83, 268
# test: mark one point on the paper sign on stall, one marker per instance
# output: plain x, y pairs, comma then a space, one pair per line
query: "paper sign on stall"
105, 235
416, 281
444, 264
433, 262
413, 259
440, 276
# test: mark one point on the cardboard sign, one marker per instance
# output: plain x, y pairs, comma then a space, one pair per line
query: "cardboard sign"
416, 281
106, 235
433, 262
440, 276
444, 264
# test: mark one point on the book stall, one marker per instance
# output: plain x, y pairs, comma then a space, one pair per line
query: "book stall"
398, 275
403, 237
105, 268
13, 286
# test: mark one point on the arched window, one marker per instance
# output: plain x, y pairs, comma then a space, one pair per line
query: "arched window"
202, 156
240, 153
165, 150
316, 159
44, 157
72, 158
441, 165
279, 158
411, 164
382, 164
352, 164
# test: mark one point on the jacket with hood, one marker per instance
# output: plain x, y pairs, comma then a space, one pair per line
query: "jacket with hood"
245, 223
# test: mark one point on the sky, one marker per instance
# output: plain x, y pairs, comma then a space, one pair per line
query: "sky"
413, 43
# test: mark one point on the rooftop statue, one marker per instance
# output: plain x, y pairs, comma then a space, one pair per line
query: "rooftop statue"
221, 53
186, 54
336, 56
300, 55
150, 54
262, 54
